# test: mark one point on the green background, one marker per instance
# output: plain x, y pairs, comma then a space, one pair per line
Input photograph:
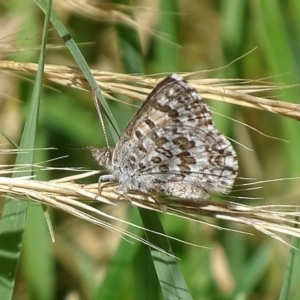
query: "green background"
174, 36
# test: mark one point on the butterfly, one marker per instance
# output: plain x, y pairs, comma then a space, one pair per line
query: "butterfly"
171, 147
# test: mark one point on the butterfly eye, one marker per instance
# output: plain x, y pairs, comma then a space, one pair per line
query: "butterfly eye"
105, 158
108, 155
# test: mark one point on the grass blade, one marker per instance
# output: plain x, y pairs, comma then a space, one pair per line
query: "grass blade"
170, 278
118, 268
167, 50
74, 50
252, 273
286, 285
12, 223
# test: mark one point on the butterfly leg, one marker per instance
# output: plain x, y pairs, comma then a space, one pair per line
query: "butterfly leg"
120, 191
104, 178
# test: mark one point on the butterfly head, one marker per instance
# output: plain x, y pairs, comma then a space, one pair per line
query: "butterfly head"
102, 156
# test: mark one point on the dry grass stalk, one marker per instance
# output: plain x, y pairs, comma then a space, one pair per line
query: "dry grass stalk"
74, 198
97, 10
137, 87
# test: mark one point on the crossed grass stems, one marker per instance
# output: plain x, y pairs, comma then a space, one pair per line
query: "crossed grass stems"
74, 198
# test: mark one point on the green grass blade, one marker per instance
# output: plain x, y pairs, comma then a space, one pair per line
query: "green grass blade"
170, 278
233, 15
279, 52
144, 277
37, 251
129, 43
12, 223
278, 35
37, 245
77, 55
252, 272
167, 56
275, 38
119, 266
284, 293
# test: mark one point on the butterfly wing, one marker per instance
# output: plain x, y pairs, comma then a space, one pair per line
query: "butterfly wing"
172, 143
172, 101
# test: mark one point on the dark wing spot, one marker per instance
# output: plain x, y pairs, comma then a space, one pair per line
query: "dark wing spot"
178, 177
180, 140
188, 160
164, 168
182, 154
188, 145
219, 160
154, 136
181, 99
164, 152
156, 160
157, 181
142, 166
150, 123
132, 159
174, 130
156, 106
184, 168
160, 141
173, 113
163, 108
138, 134
166, 108
141, 148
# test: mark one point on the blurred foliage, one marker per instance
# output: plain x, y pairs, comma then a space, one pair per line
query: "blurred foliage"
175, 36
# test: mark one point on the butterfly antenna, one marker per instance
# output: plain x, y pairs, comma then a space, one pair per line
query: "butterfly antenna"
100, 117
